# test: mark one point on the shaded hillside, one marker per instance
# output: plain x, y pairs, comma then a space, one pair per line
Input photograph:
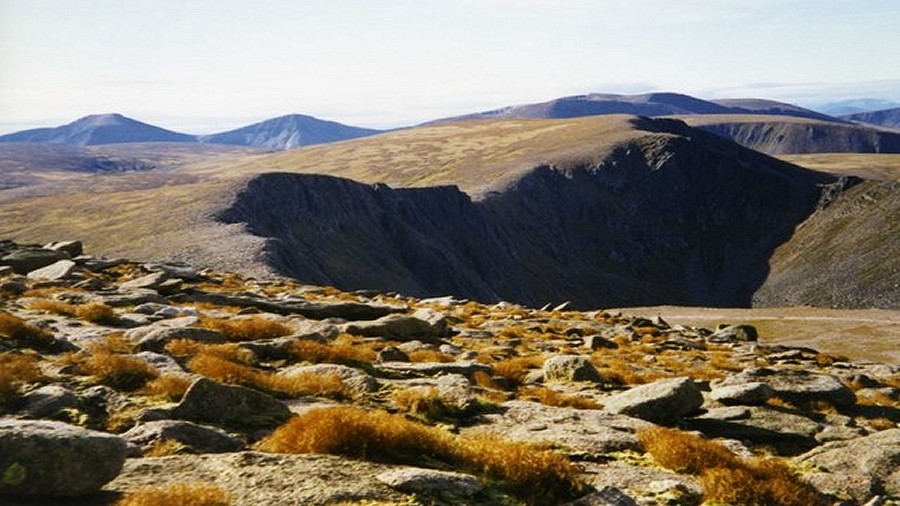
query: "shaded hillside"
288, 132
99, 129
677, 217
845, 255
649, 104
887, 118
785, 135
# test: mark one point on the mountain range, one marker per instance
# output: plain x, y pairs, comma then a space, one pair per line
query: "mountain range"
886, 117
284, 132
764, 125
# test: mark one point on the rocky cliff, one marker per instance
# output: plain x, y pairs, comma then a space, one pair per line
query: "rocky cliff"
678, 216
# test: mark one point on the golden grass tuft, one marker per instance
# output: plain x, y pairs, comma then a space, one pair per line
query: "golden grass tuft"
345, 349
96, 312
726, 478
164, 448
540, 476
170, 387
881, 423
551, 397
517, 368
429, 356
182, 494
114, 342
186, 348
16, 370
310, 383
121, 372
247, 329
26, 334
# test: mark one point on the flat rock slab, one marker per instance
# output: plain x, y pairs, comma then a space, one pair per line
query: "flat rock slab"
859, 468
197, 438
207, 401
60, 269
263, 479
790, 433
659, 402
416, 480
578, 431
43, 458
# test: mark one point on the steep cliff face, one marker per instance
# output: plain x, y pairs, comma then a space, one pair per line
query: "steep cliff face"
791, 137
678, 216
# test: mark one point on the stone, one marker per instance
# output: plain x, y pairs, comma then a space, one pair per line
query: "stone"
276, 348
423, 324
60, 269
799, 387
157, 339
6, 270
421, 369
607, 496
430, 482
858, 468
71, 248
753, 393
44, 458
196, 438
25, 260
659, 402
597, 342
575, 431
787, 432
48, 400
392, 354
207, 401
568, 368
151, 281
734, 334
164, 364
317, 310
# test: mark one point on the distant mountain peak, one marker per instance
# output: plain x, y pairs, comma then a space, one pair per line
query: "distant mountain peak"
287, 132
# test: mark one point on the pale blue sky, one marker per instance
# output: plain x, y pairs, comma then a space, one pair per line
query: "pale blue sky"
210, 65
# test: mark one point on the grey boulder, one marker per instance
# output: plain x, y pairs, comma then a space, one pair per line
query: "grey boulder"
659, 402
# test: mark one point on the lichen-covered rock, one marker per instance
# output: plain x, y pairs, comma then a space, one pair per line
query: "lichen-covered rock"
659, 402
197, 438
799, 387
44, 458
566, 368
734, 333
207, 401
416, 480
25, 260
748, 394
859, 468
424, 324
788, 432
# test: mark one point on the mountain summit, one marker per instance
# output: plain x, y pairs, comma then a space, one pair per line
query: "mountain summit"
99, 129
286, 132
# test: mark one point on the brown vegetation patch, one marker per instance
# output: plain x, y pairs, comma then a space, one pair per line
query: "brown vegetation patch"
17, 369
246, 329
170, 387
121, 372
345, 349
551, 397
26, 334
182, 494
517, 368
541, 476
725, 477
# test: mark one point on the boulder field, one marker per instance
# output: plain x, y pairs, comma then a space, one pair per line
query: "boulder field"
159, 383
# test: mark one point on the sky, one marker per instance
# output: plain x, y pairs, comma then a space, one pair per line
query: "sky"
202, 66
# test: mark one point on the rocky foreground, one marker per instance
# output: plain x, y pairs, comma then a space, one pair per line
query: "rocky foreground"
149, 383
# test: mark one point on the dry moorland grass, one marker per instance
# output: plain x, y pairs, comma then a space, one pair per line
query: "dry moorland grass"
181, 494
727, 479
540, 476
344, 349
94, 312
247, 329
27, 335
550, 397
16, 369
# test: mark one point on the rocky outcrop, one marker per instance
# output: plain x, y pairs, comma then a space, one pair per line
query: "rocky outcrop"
499, 382
44, 458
